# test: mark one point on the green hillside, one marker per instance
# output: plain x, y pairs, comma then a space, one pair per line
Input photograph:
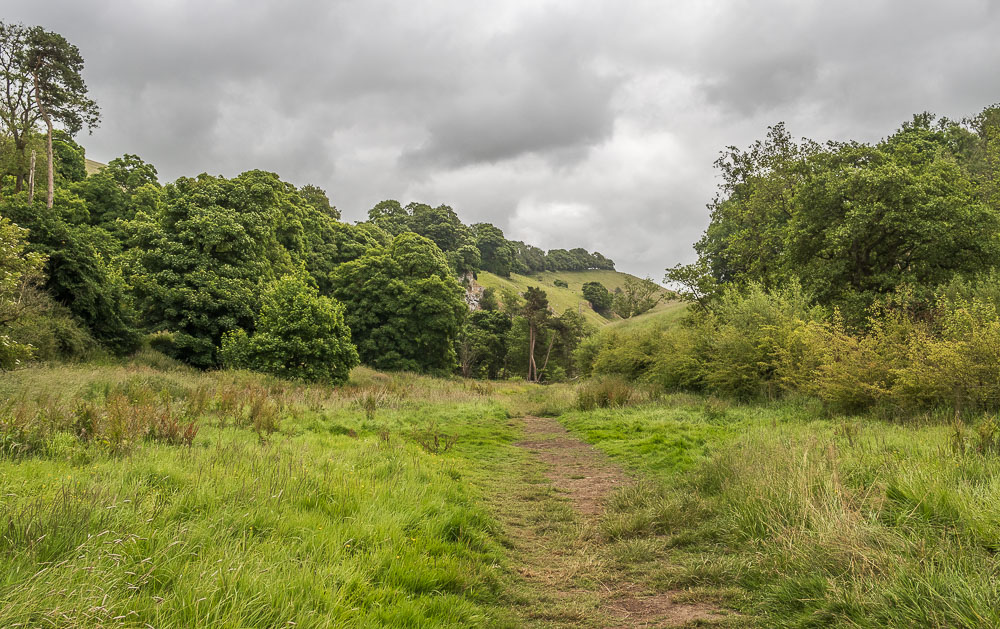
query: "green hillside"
94, 167
562, 299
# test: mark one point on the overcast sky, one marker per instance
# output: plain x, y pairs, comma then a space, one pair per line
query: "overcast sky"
567, 124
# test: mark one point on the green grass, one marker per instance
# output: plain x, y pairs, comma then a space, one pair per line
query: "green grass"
802, 521
339, 519
571, 297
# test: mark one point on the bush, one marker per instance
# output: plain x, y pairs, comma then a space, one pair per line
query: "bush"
560, 283
299, 334
607, 393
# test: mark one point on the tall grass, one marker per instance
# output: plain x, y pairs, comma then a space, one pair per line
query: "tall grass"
818, 523
284, 508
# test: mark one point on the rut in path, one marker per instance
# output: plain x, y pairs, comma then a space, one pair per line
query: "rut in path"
585, 592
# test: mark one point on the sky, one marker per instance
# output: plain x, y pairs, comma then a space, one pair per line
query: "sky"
565, 123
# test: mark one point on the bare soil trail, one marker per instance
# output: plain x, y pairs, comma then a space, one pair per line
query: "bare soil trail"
554, 521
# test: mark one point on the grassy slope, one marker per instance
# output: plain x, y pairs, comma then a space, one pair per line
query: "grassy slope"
94, 167
562, 299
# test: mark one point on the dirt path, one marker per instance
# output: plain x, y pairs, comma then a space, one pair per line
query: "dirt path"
561, 546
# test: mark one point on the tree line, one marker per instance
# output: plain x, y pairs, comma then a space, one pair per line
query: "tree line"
249, 271
861, 274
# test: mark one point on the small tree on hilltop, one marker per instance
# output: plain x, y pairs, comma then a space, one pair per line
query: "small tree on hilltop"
299, 334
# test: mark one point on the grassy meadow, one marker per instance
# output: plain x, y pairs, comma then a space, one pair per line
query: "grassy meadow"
801, 520
146, 493
290, 505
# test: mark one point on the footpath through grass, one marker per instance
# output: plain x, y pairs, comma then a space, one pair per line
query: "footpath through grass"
799, 521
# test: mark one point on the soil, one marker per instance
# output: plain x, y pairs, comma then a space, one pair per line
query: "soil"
586, 478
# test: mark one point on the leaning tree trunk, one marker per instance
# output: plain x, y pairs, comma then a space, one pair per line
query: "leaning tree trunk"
48, 124
548, 352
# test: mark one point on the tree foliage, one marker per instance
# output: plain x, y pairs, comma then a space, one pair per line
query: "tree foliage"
19, 269
298, 334
637, 296
854, 221
404, 307
599, 297
195, 266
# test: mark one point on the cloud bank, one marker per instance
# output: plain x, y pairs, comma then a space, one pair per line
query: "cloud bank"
566, 124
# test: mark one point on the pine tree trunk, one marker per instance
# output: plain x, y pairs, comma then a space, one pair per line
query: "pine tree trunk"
31, 179
48, 124
531, 352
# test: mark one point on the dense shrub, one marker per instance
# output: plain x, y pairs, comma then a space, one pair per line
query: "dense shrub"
756, 343
299, 334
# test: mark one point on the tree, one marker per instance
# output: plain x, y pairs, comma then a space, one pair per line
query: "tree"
404, 307
299, 334
482, 345
316, 197
696, 281
565, 333
440, 224
497, 252
856, 221
637, 296
196, 265
18, 106
19, 269
599, 297
131, 173
527, 258
78, 271
536, 312
390, 216
55, 67
465, 261
70, 158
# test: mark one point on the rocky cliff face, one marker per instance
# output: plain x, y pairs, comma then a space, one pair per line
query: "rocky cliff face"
473, 291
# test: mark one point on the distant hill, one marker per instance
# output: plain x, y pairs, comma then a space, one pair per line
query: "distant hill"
562, 299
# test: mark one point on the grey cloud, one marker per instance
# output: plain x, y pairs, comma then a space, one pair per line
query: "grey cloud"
575, 124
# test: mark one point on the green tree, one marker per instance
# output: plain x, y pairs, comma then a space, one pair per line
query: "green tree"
390, 217
78, 270
497, 252
482, 345
55, 66
404, 307
299, 334
70, 158
527, 258
637, 296
536, 313
195, 266
697, 285
466, 260
599, 297
130, 172
440, 224
316, 197
855, 221
18, 107
19, 269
